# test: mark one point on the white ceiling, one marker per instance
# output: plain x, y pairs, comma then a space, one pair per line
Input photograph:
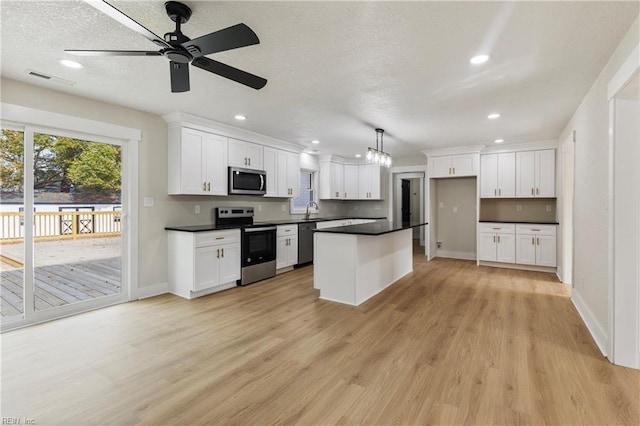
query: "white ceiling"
337, 70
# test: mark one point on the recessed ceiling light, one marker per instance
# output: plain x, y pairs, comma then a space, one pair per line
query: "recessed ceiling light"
358, 155
498, 141
493, 116
240, 117
315, 141
479, 59
70, 63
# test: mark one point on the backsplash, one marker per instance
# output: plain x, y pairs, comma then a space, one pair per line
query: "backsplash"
541, 210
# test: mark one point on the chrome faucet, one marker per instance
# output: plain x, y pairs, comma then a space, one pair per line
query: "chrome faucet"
310, 203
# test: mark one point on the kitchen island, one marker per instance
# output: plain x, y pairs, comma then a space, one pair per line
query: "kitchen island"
354, 263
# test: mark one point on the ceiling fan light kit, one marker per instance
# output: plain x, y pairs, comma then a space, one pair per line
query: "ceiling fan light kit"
377, 155
181, 50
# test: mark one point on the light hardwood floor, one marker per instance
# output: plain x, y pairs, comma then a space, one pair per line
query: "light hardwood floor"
452, 343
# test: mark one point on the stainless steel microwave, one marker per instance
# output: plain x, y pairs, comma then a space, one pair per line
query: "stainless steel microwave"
247, 181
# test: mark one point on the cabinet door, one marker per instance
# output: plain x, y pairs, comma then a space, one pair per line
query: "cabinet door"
229, 265
487, 246
215, 159
337, 181
205, 274
281, 252
526, 249
237, 154
351, 181
363, 182
525, 174
191, 162
489, 176
440, 166
283, 182
463, 165
293, 174
545, 173
292, 252
506, 248
546, 250
374, 182
270, 166
506, 175
255, 155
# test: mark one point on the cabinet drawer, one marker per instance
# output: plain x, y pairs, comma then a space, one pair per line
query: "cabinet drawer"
534, 229
497, 228
287, 230
204, 239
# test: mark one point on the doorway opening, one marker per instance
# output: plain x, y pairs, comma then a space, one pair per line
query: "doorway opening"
408, 201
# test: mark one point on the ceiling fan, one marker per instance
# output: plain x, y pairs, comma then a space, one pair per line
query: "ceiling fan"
181, 50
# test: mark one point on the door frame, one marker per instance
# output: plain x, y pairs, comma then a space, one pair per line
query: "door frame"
623, 300
32, 121
409, 172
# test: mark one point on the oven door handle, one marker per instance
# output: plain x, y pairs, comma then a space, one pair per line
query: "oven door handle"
270, 228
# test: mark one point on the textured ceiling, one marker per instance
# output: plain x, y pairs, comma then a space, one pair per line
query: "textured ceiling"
337, 70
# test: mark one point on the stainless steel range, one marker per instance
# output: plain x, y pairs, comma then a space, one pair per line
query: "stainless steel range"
258, 246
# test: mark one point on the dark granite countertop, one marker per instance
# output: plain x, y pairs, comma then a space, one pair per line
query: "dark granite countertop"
378, 227
520, 222
205, 228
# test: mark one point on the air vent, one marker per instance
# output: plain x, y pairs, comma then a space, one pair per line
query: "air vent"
52, 78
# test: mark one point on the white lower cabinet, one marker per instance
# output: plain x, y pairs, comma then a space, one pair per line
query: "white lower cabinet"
536, 245
497, 243
203, 262
286, 246
522, 244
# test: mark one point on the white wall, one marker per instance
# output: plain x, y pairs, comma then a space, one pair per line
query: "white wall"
590, 122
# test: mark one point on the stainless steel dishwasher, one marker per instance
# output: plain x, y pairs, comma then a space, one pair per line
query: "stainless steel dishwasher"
305, 242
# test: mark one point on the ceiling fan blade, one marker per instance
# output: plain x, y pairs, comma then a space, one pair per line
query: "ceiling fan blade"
231, 73
114, 52
125, 20
179, 77
233, 37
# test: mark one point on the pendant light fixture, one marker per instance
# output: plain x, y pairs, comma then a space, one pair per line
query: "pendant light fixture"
377, 155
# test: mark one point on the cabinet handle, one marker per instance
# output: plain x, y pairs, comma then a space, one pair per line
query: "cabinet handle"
538, 241
219, 238
209, 186
218, 253
449, 170
494, 192
222, 252
249, 160
204, 186
494, 238
534, 229
537, 191
454, 170
532, 192
497, 229
533, 240
498, 238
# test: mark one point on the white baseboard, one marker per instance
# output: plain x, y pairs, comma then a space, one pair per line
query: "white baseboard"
151, 290
595, 328
455, 254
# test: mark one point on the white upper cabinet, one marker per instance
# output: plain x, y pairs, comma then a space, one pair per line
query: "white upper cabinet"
535, 174
498, 175
283, 173
271, 167
351, 181
331, 181
453, 165
245, 155
369, 182
197, 162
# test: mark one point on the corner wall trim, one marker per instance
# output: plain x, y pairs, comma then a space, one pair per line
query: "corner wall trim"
151, 291
595, 328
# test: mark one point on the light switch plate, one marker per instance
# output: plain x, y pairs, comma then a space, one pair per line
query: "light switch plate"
147, 201
197, 209
455, 209
519, 207
548, 207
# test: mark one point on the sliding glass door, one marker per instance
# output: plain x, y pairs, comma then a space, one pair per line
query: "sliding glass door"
62, 229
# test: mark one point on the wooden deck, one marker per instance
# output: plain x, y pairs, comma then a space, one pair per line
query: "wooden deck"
58, 285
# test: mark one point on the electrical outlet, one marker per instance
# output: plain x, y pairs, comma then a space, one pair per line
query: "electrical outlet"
548, 207
259, 207
438, 244
197, 209
148, 201
441, 204
455, 209
519, 207
283, 207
